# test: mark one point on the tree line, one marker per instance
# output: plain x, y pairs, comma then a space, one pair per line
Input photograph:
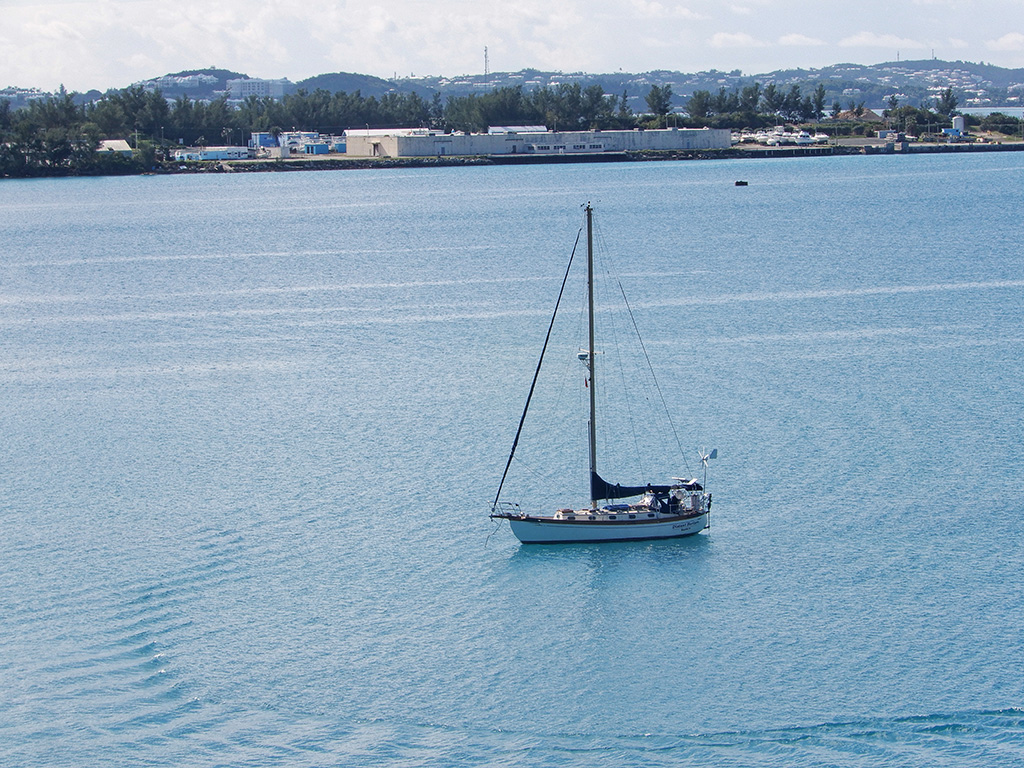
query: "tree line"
57, 135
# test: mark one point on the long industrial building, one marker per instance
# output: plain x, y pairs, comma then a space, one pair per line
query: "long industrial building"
426, 143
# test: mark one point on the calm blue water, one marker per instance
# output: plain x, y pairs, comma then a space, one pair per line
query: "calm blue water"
1012, 111
252, 426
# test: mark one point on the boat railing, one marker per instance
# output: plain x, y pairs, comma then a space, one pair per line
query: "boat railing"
505, 508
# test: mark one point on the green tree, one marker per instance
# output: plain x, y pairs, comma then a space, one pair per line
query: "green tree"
625, 114
659, 100
5, 116
505, 106
436, 111
791, 104
818, 102
699, 105
183, 122
749, 100
946, 103
462, 113
725, 102
771, 100
597, 110
997, 121
109, 117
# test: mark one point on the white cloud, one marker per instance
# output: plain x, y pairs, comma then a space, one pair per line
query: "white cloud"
734, 40
112, 43
752, 7
798, 39
651, 9
1011, 41
55, 31
874, 40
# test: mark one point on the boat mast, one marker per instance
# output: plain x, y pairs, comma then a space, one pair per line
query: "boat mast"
590, 350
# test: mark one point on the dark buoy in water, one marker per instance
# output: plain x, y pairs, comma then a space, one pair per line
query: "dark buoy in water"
741, 183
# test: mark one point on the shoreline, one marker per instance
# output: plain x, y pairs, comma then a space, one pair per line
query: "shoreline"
845, 147
732, 153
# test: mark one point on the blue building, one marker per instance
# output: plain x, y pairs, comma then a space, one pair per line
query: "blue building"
262, 140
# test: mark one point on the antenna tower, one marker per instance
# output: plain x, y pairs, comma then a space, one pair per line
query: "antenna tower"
487, 68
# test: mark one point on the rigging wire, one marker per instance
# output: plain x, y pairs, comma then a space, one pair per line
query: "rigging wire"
610, 272
613, 330
657, 386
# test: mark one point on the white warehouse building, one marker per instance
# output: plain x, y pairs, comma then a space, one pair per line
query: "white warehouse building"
426, 143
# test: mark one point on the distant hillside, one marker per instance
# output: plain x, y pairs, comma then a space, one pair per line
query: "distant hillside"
367, 85
222, 75
913, 83
999, 77
634, 85
209, 83
196, 84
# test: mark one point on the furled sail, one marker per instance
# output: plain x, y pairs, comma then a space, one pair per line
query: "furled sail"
602, 489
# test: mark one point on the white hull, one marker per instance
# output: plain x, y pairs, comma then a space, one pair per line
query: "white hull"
547, 530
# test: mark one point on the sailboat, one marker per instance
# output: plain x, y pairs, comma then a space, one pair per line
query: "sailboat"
670, 510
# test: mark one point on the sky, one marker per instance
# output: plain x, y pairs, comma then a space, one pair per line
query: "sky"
114, 43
